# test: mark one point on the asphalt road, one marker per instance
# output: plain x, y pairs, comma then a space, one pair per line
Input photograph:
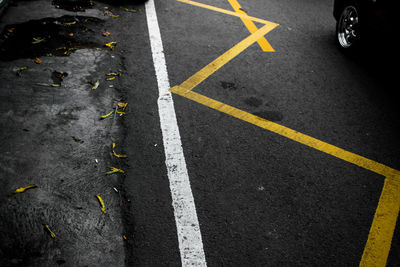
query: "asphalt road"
298, 184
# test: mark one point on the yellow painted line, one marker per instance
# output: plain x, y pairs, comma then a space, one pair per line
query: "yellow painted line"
263, 43
287, 132
378, 245
221, 10
204, 73
380, 236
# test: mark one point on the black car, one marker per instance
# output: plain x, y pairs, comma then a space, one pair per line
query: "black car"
360, 21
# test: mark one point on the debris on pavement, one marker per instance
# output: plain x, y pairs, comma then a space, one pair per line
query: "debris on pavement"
49, 36
105, 34
37, 40
23, 189
38, 60
115, 170
20, 70
103, 207
53, 235
110, 14
115, 154
107, 115
69, 23
122, 105
129, 10
76, 139
111, 45
95, 85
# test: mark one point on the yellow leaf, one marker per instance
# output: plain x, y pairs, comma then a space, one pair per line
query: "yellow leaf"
114, 170
21, 70
111, 45
53, 235
103, 207
95, 85
122, 105
69, 23
108, 114
110, 79
23, 189
129, 10
115, 154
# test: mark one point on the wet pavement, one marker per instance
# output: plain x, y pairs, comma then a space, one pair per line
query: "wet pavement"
84, 179
54, 138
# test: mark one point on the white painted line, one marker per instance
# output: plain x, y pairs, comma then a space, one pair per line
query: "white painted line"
187, 224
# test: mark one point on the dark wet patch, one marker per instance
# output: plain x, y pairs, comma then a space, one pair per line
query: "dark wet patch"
228, 85
58, 76
73, 5
270, 115
48, 37
60, 261
253, 101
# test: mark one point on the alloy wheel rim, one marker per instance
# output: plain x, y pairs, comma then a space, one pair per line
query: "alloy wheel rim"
348, 27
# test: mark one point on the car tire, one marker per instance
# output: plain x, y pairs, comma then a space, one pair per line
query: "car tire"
349, 28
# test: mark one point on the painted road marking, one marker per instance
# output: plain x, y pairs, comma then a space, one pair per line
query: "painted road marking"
215, 65
381, 232
221, 10
187, 224
262, 42
378, 245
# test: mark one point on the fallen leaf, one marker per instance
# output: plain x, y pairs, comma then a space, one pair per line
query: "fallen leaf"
38, 60
110, 79
55, 85
107, 115
106, 33
122, 105
103, 207
115, 154
21, 70
69, 23
53, 235
119, 74
23, 189
124, 237
37, 40
129, 10
95, 85
71, 34
111, 45
110, 14
76, 139
115, 170
11, 30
